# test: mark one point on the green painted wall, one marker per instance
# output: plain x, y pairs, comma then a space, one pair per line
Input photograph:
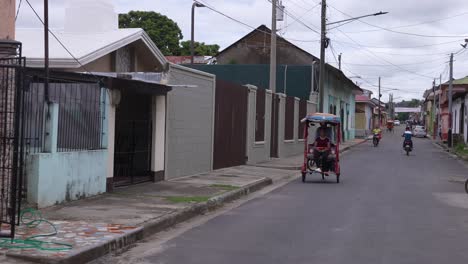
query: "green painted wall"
298, 78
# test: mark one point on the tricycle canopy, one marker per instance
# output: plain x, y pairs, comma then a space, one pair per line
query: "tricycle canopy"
322, 118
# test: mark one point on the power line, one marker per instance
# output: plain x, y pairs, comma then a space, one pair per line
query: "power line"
301, 16
411, 25
386, 61
400, 32
386, 65
61, 43
19, 8
298, 20
407, 47
245, 24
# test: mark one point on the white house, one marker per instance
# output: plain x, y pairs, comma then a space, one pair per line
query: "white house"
181, 122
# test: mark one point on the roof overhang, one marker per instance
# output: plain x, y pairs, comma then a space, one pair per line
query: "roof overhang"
122, 82
99, 52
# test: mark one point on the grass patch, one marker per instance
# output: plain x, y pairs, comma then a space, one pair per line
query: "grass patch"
225, 187
461, 149
187, 199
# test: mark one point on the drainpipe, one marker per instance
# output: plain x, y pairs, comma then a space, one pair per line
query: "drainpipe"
285, 79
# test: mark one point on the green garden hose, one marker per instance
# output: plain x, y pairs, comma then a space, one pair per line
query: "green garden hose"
32, 219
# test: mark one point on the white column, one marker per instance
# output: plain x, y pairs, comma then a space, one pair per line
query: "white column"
51, 113
251, 119
111, 105
281, 123
159, 136
268, 114
297, 118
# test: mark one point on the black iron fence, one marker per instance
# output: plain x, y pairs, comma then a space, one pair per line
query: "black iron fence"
81, 116
11, 132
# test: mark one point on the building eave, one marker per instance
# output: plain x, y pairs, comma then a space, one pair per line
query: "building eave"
99, 53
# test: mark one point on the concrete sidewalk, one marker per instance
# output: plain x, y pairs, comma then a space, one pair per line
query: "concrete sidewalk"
96, 226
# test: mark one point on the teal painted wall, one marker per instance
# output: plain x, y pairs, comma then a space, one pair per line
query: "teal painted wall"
298, 78
54, 178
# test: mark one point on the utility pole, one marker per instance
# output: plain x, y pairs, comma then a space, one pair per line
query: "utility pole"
273, 47
46, 50
434, 130
323, 40
192, 39
450, 132
339, 61
439, 116
380, 108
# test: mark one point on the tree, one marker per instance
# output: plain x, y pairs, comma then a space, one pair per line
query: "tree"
201, 49
164, 32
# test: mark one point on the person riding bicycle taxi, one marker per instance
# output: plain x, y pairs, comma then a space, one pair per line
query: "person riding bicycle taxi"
322, 145
408, 137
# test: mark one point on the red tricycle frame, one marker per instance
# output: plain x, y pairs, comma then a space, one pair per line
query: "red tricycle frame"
324, 120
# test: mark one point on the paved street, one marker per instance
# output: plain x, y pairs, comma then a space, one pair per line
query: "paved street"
389, 208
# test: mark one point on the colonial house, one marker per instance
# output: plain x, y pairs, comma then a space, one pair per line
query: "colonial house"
150, 135
459, 111
429, 112
383, 114
364, 114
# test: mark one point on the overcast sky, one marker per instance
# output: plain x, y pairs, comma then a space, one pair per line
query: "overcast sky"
405, 62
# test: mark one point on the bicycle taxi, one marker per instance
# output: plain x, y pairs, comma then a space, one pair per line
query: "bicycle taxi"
324, 161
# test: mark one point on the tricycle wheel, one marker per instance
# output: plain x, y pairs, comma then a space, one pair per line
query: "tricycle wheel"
338, 178
303, 177
466, 186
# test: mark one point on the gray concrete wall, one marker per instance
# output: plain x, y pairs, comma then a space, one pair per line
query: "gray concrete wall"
287, 148
190, 122
258, 151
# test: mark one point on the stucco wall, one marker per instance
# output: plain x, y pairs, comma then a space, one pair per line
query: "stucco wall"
287, 148
54, 178
256, 50
258, 151
190, 123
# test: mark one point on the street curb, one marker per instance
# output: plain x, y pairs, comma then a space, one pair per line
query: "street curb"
450, 152
151, 227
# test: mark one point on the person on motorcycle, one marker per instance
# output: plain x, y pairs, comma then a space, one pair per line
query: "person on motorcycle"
322, 146
377, 131
408, 137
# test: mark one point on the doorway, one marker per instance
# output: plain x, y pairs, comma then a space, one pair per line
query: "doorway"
133, 139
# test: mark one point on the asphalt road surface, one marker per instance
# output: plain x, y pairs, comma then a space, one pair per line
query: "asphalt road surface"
389, 208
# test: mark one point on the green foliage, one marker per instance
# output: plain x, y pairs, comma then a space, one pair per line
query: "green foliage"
161, 29
165, 33
201, 49
187, 199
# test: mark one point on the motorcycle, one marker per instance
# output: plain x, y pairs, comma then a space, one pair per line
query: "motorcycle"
376, 139
408, 147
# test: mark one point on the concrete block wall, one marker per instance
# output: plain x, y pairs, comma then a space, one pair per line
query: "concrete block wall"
258, 151
190, 122
56, 177
287, 148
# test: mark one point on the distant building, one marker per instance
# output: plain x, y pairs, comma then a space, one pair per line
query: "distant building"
187, 59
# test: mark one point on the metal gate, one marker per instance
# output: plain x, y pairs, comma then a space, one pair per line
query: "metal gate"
133, 140
230, 137
274, 126
11, 136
